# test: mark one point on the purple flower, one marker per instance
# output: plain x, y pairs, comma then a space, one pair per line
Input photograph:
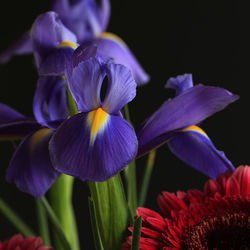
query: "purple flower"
30, 167
84, 21
96, 143
174, 122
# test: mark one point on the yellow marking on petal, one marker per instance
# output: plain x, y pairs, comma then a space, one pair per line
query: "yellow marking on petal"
38, 136
195, 129
67, 44
111, 36
97, 121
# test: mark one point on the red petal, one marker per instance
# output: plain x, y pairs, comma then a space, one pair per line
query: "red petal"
145, 212
242, 174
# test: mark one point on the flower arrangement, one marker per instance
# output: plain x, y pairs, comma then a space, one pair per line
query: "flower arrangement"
81, 130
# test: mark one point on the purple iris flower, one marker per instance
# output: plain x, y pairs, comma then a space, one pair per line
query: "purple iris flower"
174, 122
96, 143
30, 167
83, 21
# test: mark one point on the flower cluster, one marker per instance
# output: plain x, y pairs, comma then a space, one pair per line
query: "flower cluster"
81, 128
217, 218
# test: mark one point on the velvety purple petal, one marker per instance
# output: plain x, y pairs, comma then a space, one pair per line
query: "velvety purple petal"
85, 84
47, 33
104, 13
30, 168
189, 108
20, 47
82, 53
82, 17
55, 63
180, 83
14, 125
73, 153
121, 88
113, 47
196, 149
50, 101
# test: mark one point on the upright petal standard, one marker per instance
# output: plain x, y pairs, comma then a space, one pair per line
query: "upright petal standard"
97, 143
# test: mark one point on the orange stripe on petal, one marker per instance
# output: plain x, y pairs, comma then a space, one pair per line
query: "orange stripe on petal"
111, 36
97, 121
37, 136
195, 129
67, 44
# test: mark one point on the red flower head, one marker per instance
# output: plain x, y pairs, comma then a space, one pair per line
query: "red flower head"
17, 242
217, 218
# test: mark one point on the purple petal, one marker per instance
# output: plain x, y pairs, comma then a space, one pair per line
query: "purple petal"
85, 84
48, 33
180, 83
82, 17
73, 152
104, 13
191, 107
30, 168
121, 88
14, 125
113, 47
195, 148
55, 63
20, 47
50, 101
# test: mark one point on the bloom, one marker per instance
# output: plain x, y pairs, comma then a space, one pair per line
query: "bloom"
96, 143
217, 218
175, 122
18, 242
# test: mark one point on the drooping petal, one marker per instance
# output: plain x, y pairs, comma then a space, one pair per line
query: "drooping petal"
55, 63
14, 125
121, 88
82, 17
30, 168
191, 107
47, 33
180, 83
20, 47
113, 47
93, 146
85, 84
194, 147
50, 101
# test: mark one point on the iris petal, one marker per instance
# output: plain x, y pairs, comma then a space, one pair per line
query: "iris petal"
195, 148
14, 125
113, 47
47, 33
30, 168
121, 88
85, 84
73, 153
20, 47
191, 107
50, 101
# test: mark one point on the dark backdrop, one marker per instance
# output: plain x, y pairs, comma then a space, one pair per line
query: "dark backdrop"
205, 38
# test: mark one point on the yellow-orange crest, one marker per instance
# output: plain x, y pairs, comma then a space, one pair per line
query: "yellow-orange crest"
195, 129
67, 44
111, 36
97, 121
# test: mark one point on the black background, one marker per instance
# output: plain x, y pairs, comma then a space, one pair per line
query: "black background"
205, 38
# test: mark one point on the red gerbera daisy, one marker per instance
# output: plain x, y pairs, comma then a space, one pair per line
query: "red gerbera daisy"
217, 218
17, 242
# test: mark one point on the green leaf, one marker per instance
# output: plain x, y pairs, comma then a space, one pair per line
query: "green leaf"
56, 225
136, 234
111, 211
15, 219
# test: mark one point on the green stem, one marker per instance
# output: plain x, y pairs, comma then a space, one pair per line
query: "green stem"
43, 223
61, 202
136, 234
130, 175
64, 244
15, 219
146, 177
